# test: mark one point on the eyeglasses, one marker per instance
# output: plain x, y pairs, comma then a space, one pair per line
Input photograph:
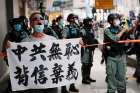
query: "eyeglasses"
73, 18
37, 18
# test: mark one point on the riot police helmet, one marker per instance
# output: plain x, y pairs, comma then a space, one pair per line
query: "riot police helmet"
70, 16
112, 17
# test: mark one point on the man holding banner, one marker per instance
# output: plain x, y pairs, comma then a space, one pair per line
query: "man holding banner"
37, 23
41, 63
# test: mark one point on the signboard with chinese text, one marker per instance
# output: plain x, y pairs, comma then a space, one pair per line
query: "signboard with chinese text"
41, 65
104, 4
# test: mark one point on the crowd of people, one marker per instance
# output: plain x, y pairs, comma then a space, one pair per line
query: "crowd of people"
114, 53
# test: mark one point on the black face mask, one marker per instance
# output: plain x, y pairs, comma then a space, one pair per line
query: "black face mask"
90, 25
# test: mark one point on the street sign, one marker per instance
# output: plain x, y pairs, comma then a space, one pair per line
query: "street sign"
104, 4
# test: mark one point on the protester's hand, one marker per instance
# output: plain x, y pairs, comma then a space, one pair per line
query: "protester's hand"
81, 42
1, 55
133, 27
134, 24
122, 31
125, 29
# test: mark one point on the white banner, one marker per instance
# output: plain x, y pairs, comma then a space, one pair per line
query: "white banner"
48, 64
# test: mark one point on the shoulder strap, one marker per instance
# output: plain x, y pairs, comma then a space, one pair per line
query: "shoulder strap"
69, 32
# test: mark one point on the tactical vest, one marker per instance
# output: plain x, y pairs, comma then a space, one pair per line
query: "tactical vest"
89, 36
114, 48
51, 32
74, 31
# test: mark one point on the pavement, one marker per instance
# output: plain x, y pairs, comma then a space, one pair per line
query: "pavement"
98, 72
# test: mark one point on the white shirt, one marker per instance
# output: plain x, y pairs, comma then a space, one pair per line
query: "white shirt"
45, 37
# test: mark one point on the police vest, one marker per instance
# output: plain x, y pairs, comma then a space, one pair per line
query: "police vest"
114, 48
74, 31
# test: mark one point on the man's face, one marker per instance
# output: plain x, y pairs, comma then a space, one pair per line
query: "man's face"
37, 19
72, 19
37, 22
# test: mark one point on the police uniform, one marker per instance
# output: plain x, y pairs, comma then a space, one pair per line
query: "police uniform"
87, 54
116, 62
51, 32
71, 31
57, 30
14, 36
137, 46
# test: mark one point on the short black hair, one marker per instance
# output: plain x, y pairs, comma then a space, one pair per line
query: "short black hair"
70, 16
111, 17
87, 20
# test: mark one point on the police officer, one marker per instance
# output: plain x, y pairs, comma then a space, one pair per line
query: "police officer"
18, 33
58, 26
26, 25
72, 30
137, 48
87, 52
48, 29
116, 58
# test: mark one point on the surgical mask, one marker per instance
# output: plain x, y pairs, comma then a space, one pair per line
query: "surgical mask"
90, 25
17, 27
117, 22
61, 23
39, 28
